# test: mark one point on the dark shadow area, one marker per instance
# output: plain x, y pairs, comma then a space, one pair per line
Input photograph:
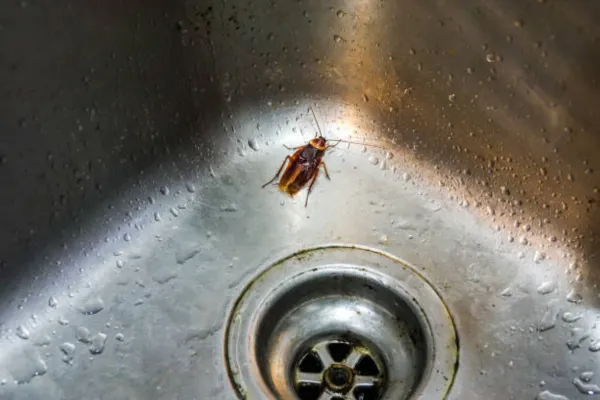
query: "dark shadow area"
92, 95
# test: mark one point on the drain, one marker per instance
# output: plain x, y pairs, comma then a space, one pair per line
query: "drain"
340, 322
334, 368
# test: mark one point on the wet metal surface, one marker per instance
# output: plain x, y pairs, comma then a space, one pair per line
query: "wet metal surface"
135, 138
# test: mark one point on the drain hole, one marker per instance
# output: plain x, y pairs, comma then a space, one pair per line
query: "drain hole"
339, 351
309, 392
339, 376
366, 366
311, 363
371, 393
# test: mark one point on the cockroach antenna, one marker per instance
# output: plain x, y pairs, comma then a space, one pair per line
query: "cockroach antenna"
316, 120
338, 141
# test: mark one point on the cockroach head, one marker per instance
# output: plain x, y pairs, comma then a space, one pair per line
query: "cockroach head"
319, 143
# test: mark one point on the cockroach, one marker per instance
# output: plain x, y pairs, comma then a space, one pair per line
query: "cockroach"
304, 164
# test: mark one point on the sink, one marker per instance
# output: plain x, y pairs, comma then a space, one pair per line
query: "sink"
141, 258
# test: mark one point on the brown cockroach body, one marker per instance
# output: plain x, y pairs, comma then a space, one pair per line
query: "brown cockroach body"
304, 164
303, 167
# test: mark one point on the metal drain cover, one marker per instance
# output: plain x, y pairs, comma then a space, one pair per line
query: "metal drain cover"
339, 369
341, 322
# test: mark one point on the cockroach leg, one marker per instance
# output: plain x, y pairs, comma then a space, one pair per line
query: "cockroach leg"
312, 182
325, 168
278, 172
292, 148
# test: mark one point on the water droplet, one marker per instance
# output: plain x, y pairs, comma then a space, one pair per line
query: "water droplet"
374, 160
98, 343
586, 376
383, 165
537, 256
22, 332
43, 340
120, 263
184, 255
138, 302
504, 190
190, 187
548, 320
383, 239
165, 277
578, 337
52, 302
574, 297
63, 321
573, 266
174, 211
83, 334
93, 306
546, 287
452, 97
157, 217
253, 144
338, 38
164, 190
523, 240
570, 317
127, 237
68, 350
506, 292
595, 345
548, 395
492, 58
229, 208
120, 337
340, 13
586, 388
27, 367
406, 177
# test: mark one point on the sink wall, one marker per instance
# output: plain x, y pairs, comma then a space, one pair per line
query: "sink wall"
489, 106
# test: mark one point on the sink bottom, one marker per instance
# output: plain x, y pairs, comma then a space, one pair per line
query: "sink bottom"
151, 292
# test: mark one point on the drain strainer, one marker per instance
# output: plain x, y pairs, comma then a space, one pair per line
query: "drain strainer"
339, 369
340, 322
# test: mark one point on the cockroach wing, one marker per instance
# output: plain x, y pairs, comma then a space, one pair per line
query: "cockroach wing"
291, 180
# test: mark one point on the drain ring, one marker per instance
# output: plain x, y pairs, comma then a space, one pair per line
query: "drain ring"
380, 308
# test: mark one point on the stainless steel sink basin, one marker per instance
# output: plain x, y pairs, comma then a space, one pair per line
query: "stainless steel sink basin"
135, 138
